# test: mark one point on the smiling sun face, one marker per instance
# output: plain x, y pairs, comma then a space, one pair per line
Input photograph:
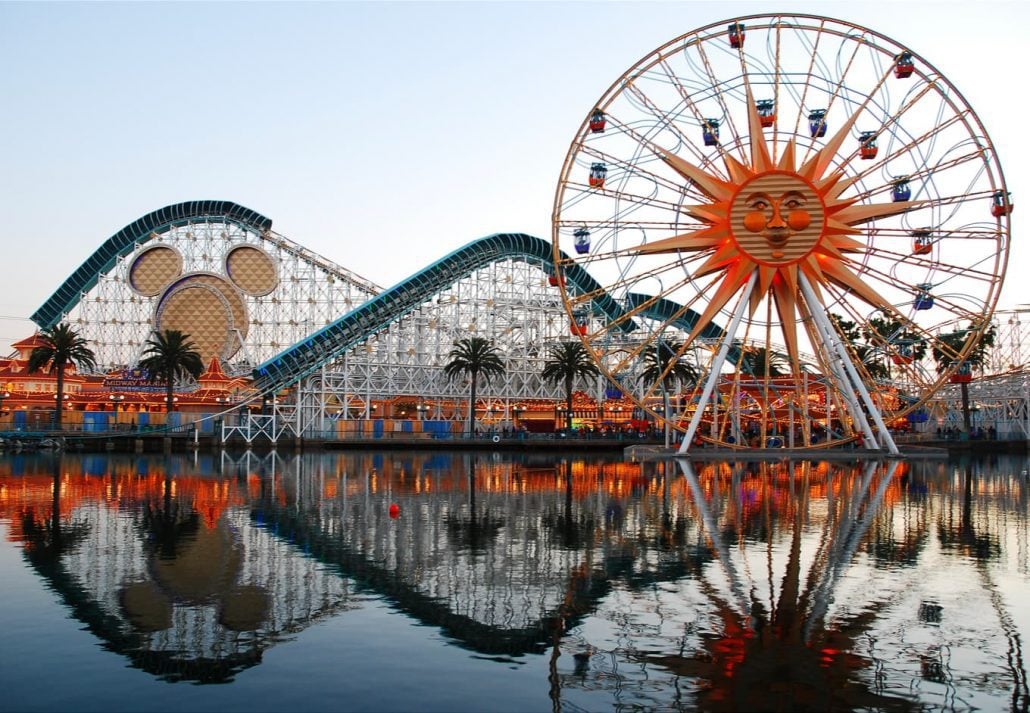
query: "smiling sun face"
779, 220
776, 218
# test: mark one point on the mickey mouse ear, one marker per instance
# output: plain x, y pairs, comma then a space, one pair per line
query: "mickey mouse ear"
153, 269
252, 270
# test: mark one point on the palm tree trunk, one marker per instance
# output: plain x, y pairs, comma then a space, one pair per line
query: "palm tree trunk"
170, 396
568, 405
472, 406
665, 404
59, 403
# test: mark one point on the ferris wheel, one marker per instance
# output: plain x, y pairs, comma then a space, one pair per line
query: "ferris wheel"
761, 227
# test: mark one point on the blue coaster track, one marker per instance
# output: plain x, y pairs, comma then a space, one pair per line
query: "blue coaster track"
306, 356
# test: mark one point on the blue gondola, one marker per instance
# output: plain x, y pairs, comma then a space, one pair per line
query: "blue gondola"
710, 132
817, 123
582, 241
900, 190
924, 300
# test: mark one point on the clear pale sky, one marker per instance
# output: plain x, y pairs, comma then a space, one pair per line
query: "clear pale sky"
380, 135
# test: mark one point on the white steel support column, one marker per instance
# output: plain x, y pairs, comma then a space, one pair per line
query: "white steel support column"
720, 358
823, 323
836, 365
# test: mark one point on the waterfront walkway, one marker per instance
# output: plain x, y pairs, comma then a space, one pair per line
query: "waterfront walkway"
185, 438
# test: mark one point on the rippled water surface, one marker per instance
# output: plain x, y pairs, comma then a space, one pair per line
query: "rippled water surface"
468, 582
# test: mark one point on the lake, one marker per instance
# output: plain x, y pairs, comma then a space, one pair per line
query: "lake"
450, 581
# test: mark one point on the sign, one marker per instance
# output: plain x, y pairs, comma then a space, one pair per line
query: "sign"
133, 380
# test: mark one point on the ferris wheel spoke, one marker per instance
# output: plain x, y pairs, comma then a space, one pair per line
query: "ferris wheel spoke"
666, 121
720, 99
658, 151
638, 171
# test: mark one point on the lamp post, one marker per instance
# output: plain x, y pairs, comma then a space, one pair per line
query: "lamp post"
116, 400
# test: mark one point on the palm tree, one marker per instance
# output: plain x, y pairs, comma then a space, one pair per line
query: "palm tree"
565, 362
663, 362
170, 355
892, 334
858, 338
946, 350
473, 356
61, 345
759, 361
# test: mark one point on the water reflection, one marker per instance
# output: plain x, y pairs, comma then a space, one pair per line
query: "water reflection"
716, 586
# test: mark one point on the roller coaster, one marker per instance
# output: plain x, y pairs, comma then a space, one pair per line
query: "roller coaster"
323, 343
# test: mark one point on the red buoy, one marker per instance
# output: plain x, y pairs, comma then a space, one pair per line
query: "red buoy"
395, 510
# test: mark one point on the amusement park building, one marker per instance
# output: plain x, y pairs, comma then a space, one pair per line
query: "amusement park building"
281, 328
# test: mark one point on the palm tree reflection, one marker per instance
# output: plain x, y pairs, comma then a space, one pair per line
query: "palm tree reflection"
47, 537
473, 532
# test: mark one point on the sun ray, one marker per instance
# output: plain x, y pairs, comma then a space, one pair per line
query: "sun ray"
817, 165
784, 295
856, 214
697, 240
733, 282
761, 160
765, 279
738, 172
723, 256
787, 159
710, 185
837, 272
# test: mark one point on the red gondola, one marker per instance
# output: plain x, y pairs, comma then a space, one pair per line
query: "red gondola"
598, 172
736, 35
1001, 204
903, 65
766, 112
903, 355
922, 242
962, 375
867, 147
597, 121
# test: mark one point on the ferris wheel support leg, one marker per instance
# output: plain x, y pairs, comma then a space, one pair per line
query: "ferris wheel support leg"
721, 547
840, 374
720, 358
823, 323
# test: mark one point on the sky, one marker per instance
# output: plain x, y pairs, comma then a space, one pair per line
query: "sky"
381, 135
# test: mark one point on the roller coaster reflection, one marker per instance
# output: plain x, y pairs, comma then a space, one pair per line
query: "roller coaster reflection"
714, 574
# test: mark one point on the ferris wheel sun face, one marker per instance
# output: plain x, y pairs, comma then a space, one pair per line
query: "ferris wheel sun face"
724, 208
784, 210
